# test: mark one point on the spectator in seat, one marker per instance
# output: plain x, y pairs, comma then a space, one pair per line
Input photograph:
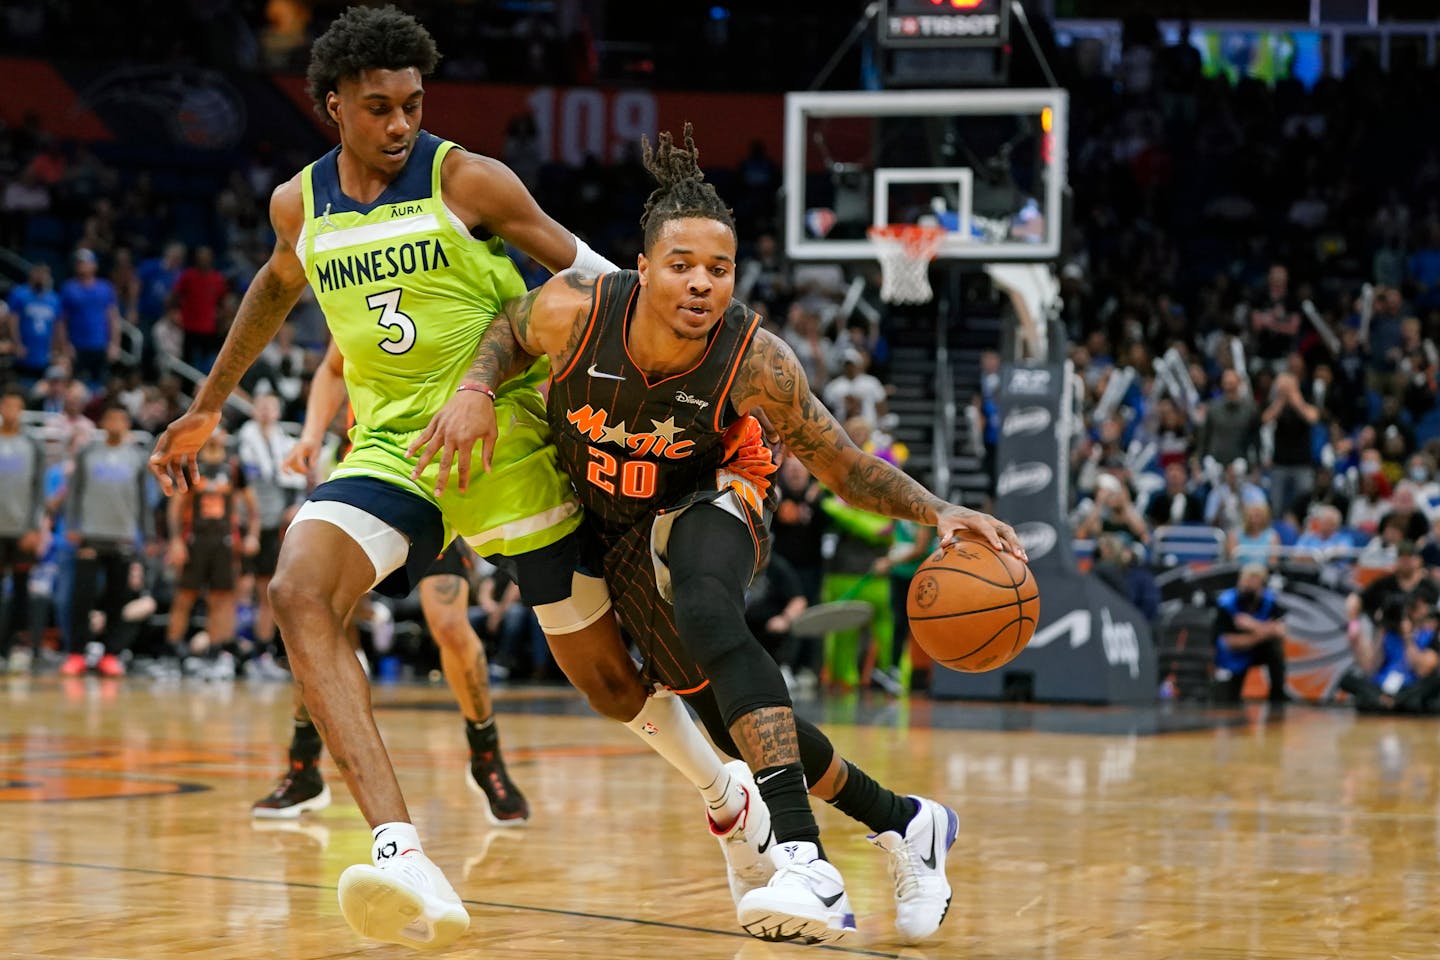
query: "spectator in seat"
1117, 565
1112, 511
1396, 667
1255, 540
1177, 502
1420, 472
1225, 507
1327, 492
1406, 514
1407, 584
1292, 470
1324, 542
1249, 633
198, 295
1371, 500
1231, 429
854, 382
91, 317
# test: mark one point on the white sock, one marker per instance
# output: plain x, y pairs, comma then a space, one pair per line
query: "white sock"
393, 840
665, 726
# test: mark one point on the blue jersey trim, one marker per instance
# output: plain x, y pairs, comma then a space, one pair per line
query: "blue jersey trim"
412, 184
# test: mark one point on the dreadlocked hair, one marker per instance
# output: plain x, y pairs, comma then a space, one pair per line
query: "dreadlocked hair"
683, 191
367, 38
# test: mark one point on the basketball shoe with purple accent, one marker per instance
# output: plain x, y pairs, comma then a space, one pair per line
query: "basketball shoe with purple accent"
804, 901
917, 868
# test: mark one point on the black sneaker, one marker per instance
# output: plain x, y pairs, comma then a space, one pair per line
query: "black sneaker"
301, 789
505, 805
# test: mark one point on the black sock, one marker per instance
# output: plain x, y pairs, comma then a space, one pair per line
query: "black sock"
305, 743
783, 790
878, 808
484, 739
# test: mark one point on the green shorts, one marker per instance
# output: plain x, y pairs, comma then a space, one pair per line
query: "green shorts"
524, 503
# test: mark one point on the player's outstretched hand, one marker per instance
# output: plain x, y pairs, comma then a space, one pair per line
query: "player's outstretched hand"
468, 418
1000, 535
301, 457
174, 460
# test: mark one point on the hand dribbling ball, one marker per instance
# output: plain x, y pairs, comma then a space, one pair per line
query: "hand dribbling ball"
973, 609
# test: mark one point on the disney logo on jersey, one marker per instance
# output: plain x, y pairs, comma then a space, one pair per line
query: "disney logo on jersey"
659, 441
682, 397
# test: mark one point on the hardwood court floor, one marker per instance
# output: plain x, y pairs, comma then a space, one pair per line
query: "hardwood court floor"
126, 832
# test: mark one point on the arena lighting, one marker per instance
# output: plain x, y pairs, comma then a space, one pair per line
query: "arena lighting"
958, 4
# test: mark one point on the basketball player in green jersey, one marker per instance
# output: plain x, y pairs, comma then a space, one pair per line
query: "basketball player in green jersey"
444, 591
382, 230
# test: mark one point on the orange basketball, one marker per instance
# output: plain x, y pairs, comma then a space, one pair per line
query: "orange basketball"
973, 609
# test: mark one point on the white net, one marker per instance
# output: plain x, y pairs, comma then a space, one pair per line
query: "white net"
905, 252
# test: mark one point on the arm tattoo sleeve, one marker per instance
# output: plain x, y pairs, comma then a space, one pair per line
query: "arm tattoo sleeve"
583, 284
771, 378
500, 354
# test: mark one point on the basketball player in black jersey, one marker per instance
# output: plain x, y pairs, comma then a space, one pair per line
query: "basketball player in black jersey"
655, 372
203, 524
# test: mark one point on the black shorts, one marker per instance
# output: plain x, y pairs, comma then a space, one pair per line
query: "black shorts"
417, 520
211, 565
546, 575
454, 562
646, 616
12, 557
263, 563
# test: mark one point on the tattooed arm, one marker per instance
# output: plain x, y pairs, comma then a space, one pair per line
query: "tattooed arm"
770, 379
549, 320
266, 304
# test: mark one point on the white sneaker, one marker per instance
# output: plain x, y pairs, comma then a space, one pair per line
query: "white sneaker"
917, 868
804, 901
405, 900
745, 842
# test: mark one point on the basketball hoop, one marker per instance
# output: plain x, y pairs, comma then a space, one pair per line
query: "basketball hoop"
905, 251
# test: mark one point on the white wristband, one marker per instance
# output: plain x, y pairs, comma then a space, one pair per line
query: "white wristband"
590, 261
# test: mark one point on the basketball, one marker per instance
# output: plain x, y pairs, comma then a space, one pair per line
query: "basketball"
971, 608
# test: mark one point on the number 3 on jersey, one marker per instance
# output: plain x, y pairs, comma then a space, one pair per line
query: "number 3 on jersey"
637, 477
399, 324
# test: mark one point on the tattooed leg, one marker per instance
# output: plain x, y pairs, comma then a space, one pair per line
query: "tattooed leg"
444, 599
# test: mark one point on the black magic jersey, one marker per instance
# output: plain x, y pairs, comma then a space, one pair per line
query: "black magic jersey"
634, 444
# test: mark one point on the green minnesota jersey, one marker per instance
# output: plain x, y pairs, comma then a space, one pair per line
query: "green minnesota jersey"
407, 293
405, 289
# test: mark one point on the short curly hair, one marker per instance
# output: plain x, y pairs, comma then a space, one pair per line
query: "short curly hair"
682, 190
367, 38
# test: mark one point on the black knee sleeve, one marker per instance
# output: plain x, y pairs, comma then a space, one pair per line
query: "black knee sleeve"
816, 750
711, 558
710, 617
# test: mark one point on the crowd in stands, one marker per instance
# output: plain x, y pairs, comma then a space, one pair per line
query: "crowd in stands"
1253, 308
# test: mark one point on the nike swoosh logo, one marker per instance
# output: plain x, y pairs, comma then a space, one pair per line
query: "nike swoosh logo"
766, 845
603, 376
832, 900
760, 780
934, 855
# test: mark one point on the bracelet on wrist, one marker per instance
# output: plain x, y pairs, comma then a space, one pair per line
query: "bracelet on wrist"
478, 388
